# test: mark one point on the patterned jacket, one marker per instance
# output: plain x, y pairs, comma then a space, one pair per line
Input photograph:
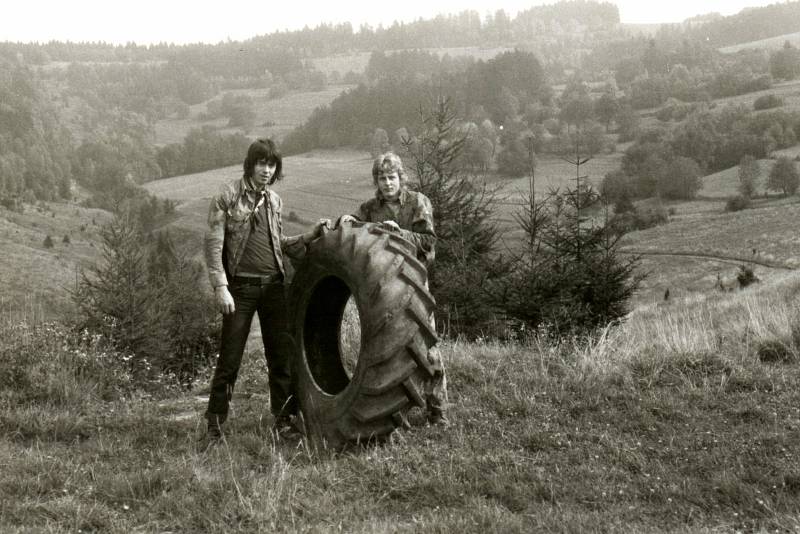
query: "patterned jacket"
229, 225
415, 219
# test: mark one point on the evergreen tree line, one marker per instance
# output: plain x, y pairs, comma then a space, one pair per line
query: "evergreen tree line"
225, 60
280, 51
678, 62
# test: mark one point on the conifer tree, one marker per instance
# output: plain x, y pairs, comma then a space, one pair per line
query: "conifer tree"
462, 206
572, 277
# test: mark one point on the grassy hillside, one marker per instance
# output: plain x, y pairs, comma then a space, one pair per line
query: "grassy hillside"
724, 184
342, 63
273, 117
686, 418
35, 275
357, 61
688, 255
773, 43
788, 91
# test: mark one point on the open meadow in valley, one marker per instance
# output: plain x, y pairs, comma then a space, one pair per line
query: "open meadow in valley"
272, 116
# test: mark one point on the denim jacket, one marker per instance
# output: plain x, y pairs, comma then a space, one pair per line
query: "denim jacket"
229, 225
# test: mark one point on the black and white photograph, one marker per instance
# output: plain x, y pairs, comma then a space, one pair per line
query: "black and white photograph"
467, 266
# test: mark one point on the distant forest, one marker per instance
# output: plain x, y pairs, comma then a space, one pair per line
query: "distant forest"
467, 28
85, 113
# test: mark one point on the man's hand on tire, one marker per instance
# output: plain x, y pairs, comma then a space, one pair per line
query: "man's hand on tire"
391, 225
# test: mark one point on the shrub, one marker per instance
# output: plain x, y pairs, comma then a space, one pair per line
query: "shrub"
746, 276
737, 203
624, 204
13, 204
58, 365
775, 351
674, 110
48, 242
630, 221
767, 102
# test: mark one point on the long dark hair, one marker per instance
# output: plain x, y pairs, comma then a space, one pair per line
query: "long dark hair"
264, 149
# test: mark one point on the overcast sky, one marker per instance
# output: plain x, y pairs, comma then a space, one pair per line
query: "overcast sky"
184, 21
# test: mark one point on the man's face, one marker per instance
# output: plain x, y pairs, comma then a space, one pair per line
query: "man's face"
389, 185
263, 172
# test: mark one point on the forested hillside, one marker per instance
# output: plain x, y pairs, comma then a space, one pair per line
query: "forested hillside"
752, 24
539, 98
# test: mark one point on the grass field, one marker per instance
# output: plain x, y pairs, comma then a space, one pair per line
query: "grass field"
322, 183
30, 270
724, 184
274, 117
357, 62
686, 418
766, 236
330, 183
773, 43
342, 63
788, 91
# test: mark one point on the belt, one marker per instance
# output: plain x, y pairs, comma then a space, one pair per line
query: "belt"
276, 278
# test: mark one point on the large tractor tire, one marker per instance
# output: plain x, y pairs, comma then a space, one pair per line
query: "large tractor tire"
341, 402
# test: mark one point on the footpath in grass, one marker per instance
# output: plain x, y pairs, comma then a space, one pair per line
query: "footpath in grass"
544, 437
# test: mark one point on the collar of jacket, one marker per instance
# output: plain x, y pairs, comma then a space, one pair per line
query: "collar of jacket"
402, 198
248, 188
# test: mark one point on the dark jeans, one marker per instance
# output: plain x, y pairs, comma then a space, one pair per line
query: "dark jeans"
269, 300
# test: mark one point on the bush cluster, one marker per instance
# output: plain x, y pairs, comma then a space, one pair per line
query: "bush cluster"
737, 203
638, 219
746, 276
767, 102
55, 364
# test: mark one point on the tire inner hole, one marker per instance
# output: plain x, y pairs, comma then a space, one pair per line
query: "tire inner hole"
332, 335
